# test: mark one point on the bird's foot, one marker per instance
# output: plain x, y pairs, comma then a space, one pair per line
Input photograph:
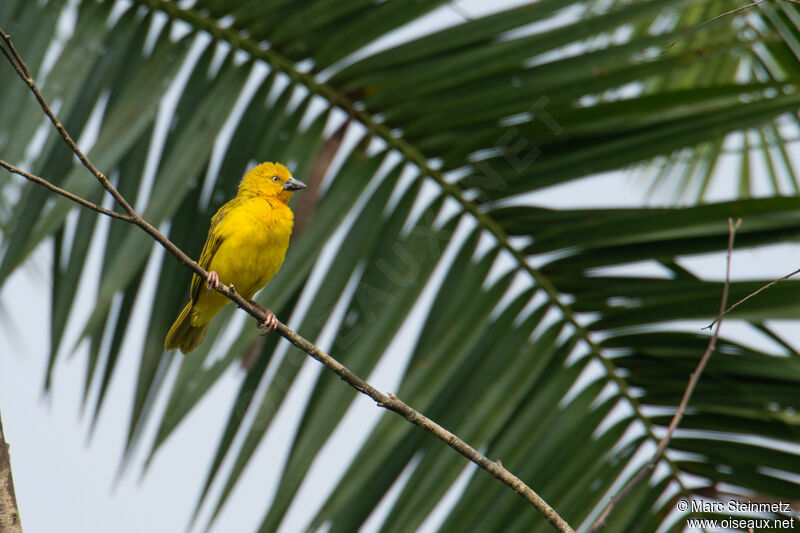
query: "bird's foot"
213, 281
270, 322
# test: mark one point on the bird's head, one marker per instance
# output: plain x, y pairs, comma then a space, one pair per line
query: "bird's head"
271, 180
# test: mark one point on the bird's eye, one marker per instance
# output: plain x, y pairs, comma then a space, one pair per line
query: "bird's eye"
276, 179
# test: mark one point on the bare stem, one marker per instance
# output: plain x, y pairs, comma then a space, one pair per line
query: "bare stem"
26, 76
725, 312
390, 402
66, 194
687, 394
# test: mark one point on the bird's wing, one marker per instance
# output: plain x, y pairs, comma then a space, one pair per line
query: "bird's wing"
214, 239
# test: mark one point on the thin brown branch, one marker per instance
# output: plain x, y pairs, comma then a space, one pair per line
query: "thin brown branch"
393, 403
390, 402
11, 60
9, 512
694, 378
724, 313
26, 76
66, 194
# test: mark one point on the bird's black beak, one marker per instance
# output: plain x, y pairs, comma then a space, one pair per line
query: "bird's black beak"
293, 185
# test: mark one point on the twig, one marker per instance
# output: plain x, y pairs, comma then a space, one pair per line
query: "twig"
721, 15
24, 73
58, 190
743, 300
687, 394
390, 402
9, 513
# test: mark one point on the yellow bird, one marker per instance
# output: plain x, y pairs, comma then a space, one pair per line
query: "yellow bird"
245, 247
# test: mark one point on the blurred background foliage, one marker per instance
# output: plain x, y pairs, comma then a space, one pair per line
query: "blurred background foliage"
423, 129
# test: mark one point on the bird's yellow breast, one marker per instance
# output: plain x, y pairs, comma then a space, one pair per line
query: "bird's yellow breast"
254, 235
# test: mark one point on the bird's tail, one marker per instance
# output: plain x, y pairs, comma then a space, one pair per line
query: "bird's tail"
183, 334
